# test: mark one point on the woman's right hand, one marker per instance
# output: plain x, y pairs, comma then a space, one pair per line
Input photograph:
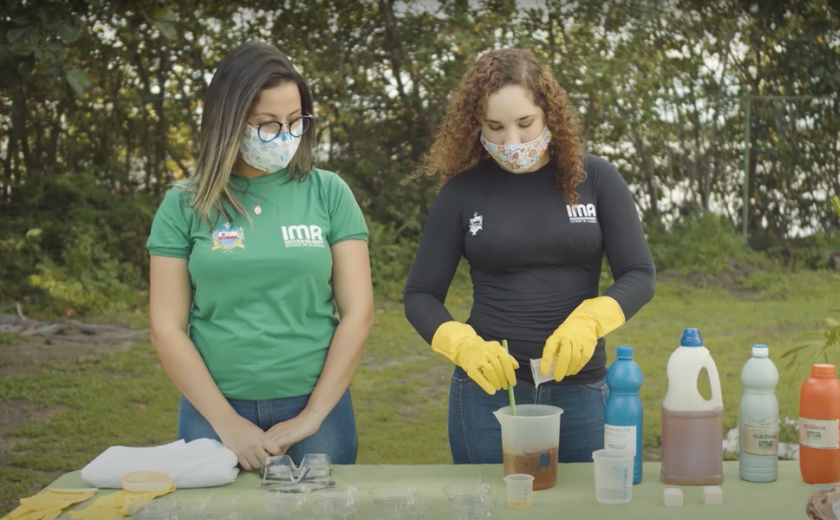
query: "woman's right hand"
248, 441
489, 364
485, 362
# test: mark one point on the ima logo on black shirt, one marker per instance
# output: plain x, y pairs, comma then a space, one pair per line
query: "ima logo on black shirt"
582, 213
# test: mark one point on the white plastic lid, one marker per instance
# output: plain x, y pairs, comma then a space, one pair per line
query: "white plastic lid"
760, 351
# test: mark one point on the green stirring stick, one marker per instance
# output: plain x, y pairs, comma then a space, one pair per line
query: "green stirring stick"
510, 387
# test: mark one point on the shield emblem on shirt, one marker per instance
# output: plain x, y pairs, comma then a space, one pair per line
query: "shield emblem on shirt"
476, 223
228, 238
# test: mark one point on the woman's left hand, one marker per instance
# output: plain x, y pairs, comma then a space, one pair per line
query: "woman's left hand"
295, 430
574, 341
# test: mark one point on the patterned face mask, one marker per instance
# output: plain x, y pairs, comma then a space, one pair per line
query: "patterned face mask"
271, 156
516, 158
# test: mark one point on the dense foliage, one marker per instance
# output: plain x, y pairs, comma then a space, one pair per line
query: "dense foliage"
101, 102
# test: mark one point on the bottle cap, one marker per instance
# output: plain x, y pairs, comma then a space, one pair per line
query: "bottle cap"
822, 370
624, 352
760, 351
691, 338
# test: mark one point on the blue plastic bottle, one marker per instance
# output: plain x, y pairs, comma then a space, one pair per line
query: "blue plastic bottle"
623, 413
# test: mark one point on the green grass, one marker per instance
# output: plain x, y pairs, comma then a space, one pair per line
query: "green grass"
784, 314
400, 391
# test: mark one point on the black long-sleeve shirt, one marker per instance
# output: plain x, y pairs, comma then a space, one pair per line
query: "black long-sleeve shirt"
533, 258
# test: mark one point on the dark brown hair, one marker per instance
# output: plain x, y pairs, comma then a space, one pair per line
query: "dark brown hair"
233, 93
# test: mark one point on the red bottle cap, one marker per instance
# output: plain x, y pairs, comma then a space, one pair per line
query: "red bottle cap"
822, 370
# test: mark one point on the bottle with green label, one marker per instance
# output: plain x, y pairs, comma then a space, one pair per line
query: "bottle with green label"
758, 459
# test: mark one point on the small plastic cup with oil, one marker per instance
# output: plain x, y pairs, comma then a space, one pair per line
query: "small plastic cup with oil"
520, 487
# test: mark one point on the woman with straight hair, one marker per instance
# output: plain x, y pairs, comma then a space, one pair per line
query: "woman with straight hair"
533, 214
250, 260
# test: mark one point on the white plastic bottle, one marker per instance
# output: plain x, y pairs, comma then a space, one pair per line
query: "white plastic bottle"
692, 426
759, 412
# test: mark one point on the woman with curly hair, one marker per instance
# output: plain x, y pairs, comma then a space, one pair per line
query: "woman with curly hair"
533, 214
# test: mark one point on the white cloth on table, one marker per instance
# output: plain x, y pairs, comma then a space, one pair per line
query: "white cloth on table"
200, 463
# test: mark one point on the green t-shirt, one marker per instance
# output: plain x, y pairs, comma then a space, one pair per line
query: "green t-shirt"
262, 315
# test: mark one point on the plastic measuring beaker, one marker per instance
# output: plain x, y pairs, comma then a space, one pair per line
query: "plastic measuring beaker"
519, 490
613, 476
539, 378
530, 442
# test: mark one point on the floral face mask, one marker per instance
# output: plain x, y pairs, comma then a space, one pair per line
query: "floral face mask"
268, 156
516, 158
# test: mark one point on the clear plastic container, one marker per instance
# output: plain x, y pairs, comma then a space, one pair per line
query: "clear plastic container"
520, 488
215, 508
471, 505
613, 476
470, 497
539, 378
333, 498
155, 510
287, 495
531, 441
396, 494
418, 507
286, 500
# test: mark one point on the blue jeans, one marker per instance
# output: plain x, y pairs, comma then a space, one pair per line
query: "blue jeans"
475, 435
336, 437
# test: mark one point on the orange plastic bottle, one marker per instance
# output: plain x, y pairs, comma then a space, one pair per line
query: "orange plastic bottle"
819, 426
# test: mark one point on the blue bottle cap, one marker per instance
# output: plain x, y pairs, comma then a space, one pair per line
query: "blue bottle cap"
691, 338
624, 352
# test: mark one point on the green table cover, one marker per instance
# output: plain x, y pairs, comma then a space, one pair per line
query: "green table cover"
572, 498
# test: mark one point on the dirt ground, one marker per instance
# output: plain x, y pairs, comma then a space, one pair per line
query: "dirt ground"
24, 353
22, 356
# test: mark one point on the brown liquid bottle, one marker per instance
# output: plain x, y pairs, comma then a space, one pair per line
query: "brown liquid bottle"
692, 427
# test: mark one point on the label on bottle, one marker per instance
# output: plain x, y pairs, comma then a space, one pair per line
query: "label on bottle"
761, 437
819, 434
620, 438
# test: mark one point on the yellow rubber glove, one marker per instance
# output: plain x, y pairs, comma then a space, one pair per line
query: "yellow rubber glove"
140, 486
486, 362
574, 341
49, 504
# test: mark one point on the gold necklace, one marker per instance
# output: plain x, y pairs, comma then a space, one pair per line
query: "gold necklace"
257, 209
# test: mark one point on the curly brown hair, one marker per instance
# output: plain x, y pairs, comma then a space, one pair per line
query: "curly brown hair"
457, 146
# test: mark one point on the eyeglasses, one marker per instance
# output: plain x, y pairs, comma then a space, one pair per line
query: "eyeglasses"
270, 130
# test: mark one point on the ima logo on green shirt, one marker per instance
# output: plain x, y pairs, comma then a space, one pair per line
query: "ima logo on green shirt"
303, 236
